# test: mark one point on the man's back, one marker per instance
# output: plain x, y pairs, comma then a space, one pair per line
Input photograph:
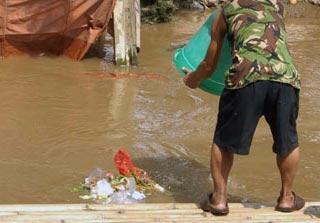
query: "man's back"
259, 39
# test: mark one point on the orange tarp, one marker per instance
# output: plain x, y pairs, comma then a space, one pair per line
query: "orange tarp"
52, 27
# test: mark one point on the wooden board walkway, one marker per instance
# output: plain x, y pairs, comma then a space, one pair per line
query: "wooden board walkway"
83, 213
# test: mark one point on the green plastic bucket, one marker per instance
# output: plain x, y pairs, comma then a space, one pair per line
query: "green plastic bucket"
193, 53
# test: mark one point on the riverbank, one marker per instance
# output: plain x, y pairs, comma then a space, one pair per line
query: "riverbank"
164, 10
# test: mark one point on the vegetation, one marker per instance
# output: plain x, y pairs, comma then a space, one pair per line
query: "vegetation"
155, 11
158, 10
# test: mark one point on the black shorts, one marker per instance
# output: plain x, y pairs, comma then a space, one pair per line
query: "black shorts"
241, 109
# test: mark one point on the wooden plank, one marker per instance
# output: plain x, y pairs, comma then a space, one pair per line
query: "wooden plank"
127, 221
155, 220
80, 213
148, 219
247, 216
195, 212
144, 217
68, 207
140, 206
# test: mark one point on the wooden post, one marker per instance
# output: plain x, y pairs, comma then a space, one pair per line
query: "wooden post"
138, 23
126, 17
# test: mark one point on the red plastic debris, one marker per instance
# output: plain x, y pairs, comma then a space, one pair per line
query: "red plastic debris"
124, 164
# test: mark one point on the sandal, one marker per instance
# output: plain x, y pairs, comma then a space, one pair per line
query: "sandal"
298, 203
208, 207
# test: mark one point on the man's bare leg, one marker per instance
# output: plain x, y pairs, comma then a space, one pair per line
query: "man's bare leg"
288, 167
221, 164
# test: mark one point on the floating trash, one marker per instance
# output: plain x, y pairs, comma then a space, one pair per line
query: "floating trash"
129, 186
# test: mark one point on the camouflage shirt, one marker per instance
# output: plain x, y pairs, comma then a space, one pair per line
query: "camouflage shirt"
259, 43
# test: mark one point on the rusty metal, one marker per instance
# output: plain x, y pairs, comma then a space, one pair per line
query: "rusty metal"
52, 27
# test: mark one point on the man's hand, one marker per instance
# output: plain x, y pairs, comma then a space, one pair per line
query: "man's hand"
190, 79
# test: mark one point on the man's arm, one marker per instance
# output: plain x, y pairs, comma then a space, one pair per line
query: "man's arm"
209, 64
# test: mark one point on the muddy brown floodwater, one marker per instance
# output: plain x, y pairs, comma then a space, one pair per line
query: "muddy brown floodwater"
58, 123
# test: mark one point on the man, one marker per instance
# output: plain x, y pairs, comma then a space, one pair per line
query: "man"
261, 82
